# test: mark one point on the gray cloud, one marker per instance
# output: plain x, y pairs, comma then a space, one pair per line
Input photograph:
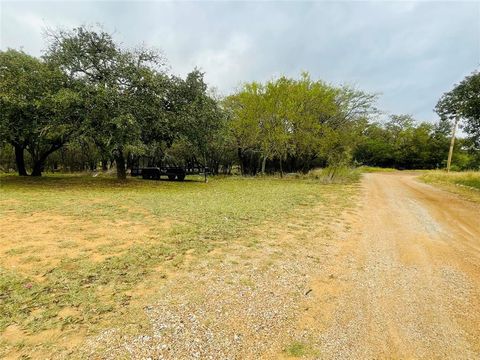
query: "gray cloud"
410, 52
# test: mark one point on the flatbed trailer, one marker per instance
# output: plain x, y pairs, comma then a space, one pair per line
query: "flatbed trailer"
171, 172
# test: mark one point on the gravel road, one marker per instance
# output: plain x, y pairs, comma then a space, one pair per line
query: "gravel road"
398, 277
409, 277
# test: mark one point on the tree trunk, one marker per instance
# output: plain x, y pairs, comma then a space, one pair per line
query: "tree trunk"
253, 164
240, 157
205, 166
104, 165
264, 162
39, 160
129, 161
120, 161
38, 166
20, 160
281, 168
452, 143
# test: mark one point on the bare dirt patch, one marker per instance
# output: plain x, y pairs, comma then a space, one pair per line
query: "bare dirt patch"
41, 240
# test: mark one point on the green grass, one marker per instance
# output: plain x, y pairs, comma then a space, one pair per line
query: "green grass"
373, 169
463, 183
297, 349
341, 175
134, 228
470, 179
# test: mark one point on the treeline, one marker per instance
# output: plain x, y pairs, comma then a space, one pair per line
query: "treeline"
88, 103
89, 98
403, 143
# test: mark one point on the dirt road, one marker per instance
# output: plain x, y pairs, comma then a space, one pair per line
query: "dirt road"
407, 284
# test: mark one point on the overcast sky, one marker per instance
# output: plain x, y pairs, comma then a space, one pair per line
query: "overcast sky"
409, 52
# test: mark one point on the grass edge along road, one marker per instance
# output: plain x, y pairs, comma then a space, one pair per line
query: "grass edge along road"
63, 282
465, 184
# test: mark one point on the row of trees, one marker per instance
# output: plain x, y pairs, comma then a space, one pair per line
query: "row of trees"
89, 92
89, 102
403, 143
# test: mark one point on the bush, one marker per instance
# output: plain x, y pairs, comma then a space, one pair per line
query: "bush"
335, 175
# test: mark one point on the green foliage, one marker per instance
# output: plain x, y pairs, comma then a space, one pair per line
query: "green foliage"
463, 102
89, 100
121, 88
41, 108
7, 158
202, 123
403, 143
296, 123
335, 175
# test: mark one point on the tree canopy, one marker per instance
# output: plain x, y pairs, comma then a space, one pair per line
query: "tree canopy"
42, 108
463, 102
301, 122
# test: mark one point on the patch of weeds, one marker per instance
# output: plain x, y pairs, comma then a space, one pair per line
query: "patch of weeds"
106, 249
470, 182
17, 295
19, 345
31, 259
248, 283
4, 345
18, 251
335, 175
253, 242
68, 321
73, 283
297, 349
67, 244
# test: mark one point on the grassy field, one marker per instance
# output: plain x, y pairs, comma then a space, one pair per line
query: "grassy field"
464, 183
79, 254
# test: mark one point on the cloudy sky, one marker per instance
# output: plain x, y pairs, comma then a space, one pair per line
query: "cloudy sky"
409, 52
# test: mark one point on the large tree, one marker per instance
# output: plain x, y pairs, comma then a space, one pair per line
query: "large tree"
299, 122
122, 88
201, 118
462, 104
42, 109
244, 109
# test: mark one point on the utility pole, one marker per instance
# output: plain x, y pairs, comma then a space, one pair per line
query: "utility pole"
452, 143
